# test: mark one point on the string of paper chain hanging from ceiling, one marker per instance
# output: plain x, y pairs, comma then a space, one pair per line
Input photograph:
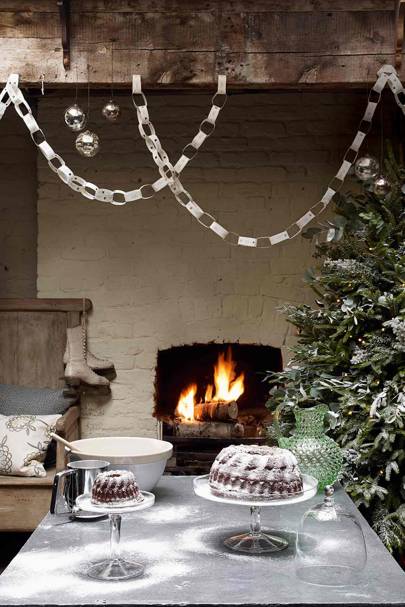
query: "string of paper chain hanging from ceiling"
387, 74
170, 173
13, 94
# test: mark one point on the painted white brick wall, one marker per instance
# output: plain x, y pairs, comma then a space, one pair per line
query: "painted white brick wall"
156, 278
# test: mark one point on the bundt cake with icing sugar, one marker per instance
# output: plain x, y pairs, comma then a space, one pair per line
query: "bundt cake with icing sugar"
255, 472
115, 488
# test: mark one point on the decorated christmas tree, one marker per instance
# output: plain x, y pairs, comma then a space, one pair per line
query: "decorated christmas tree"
350, 353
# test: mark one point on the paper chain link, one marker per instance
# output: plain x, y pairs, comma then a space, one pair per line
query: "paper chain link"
170, 173
13, 94
386, 74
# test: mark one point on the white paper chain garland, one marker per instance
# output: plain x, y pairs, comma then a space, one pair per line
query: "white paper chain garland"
386, 74
170, 173
13, 94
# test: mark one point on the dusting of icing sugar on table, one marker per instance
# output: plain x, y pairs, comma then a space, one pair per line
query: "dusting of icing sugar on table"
180, 541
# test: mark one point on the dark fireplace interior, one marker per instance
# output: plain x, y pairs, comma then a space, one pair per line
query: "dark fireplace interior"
197, 442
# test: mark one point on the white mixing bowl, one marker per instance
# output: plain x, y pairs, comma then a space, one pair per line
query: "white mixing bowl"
145, 457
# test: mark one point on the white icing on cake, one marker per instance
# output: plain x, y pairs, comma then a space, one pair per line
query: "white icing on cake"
255, 471
125, 476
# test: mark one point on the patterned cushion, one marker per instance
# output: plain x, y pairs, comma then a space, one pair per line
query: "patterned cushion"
23, 443
18, 400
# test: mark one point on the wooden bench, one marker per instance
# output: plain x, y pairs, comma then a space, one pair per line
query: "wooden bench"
24, 501
32, 342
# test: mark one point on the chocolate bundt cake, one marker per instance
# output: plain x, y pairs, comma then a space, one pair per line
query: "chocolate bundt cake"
255, 472
115, 487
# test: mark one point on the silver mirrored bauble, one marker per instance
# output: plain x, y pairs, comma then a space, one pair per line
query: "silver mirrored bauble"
75, 118
366, 168
381, 187
87, 144
111, 111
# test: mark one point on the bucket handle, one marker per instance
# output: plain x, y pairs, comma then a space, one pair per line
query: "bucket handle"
55, 492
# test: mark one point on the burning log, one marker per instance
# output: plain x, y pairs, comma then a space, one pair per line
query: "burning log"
209, 430
255, 414
220, 411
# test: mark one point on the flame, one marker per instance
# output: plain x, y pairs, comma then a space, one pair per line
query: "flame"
208, 394
185, 406
228, 387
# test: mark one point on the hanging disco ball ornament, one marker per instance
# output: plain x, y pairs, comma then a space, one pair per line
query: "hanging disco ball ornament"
111, 111
366, 168
381, 187
87, 144
75, 118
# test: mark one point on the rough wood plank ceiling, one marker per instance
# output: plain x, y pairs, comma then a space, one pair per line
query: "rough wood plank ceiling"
184, 44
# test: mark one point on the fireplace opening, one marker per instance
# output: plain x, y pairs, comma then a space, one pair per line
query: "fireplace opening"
211, 395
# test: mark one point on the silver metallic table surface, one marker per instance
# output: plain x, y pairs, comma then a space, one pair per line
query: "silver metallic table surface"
180, 542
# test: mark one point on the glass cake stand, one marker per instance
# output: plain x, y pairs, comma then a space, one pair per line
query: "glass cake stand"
256, 541
115, 568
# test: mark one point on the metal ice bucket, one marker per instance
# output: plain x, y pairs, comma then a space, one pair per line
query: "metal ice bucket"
76, 480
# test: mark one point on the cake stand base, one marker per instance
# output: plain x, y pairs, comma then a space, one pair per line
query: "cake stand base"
118, 569
115, 568
256, 543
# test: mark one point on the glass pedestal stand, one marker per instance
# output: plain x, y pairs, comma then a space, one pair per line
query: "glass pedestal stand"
115, 568
255, 541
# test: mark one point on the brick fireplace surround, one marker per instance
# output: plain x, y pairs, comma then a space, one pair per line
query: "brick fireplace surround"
155, 277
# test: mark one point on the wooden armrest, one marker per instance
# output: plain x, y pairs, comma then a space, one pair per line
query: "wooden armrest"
68, 419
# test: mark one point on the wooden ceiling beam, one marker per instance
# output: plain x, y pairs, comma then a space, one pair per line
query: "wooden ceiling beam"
259, 44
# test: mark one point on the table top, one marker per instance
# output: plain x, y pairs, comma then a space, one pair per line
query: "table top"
179, 540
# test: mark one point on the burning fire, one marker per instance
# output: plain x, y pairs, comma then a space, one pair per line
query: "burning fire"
228, 387
185, 406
